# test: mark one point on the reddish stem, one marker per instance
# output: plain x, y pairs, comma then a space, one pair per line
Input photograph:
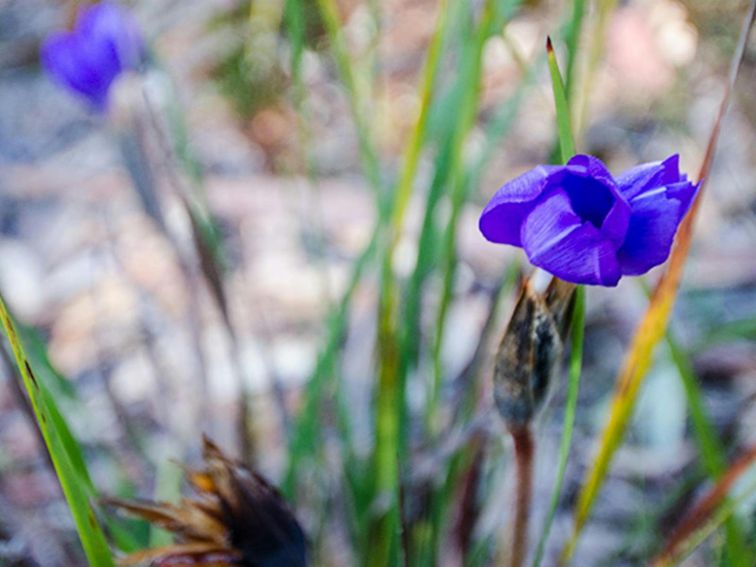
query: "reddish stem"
523, 449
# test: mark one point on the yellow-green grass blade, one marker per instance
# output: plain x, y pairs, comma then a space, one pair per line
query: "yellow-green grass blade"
305, 439
70, 468
594, 52
414, 146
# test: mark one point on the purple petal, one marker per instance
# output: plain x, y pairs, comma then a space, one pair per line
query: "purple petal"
557, 240
114, 30
593, 168
649, 175
502, 218
595, 197
72, 64
656, 214
616, 223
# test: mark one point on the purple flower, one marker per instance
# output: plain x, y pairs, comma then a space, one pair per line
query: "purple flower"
104, 43
583, 225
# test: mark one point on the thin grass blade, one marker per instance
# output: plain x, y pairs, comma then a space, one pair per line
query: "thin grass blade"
305, 438
330, 15
577, 327
576, 363
69, 466
710, 448
703, 513
564, 123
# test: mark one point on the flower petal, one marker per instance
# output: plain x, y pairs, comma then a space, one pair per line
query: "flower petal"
557, 240
593, 168
69, 61
105, 42
595, 197
649, 176
502, 218
656, 214
114, 30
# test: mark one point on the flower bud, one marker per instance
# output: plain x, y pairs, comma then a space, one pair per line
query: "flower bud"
530, 349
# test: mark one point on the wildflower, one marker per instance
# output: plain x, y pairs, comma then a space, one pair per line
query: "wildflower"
584, 226
238, 519
104, 43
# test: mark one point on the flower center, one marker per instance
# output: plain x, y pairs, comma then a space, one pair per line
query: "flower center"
591, 200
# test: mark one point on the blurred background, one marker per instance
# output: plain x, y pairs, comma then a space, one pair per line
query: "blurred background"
259, 125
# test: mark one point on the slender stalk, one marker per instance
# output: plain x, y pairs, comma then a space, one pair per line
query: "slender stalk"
142, 168
371, 165
576, 362
604, 9
304, 436
415, 143
459, 193
712, 452
23, 404
390, 405
523, 449
572, 39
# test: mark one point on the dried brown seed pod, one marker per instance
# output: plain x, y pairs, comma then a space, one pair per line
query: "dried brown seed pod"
530, 349
236, 519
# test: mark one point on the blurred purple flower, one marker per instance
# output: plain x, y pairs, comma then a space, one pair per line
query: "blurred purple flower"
104, 43
584, 226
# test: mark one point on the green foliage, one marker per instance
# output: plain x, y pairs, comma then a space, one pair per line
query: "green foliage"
64, 451
448, 111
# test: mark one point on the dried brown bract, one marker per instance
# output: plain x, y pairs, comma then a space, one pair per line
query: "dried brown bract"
236, 519
530, 348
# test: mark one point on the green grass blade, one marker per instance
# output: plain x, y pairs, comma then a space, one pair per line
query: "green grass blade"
71, 471
305, 436
36, 352
330, 15
564, 123
576, 363
594, 52
67, 440
685, 536
723, 515
415, 143
567, 150
390, 424
168, 481
472, 67
712, 451
571, 39
710, 448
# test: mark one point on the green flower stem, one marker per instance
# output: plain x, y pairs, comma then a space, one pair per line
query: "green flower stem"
459, 192
577, 331
390, 403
